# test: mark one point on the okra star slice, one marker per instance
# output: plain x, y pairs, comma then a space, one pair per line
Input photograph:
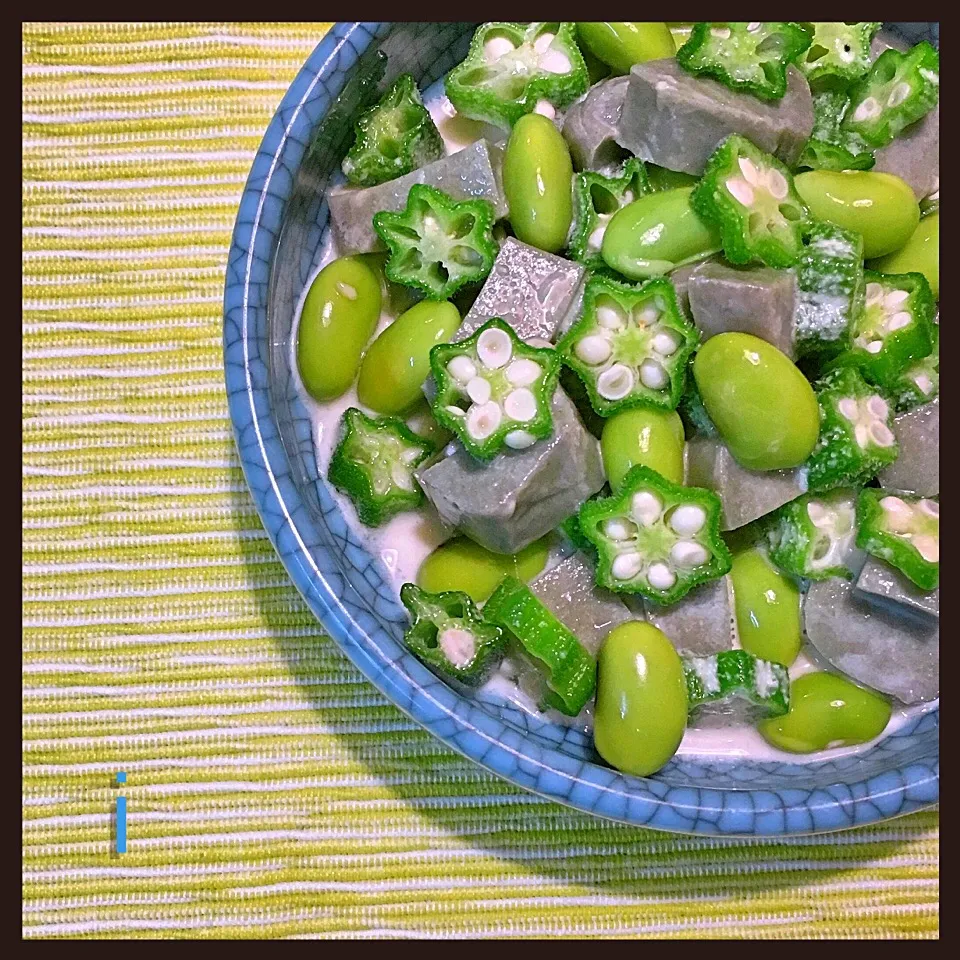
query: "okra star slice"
829, 146
656, 538
895, 328
812, 537
899, 89
450, 635
735, 678
751, 198
596, 199
437, 244
494, 390
394, 137
920, 382
630, 346
570, 671
856, 440
902, 530
373, 464
839, 52
513, 69
751, 57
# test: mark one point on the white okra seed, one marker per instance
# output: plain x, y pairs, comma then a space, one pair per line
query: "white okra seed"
749, 170
455, 411
401, 477
777, 184
899, 93
661, 577
610, 314
894, 299
494, 348
520, 405
928, 547
741, 191
593, 349
523, 372
546, 109
595, 240
874, 346
688, 519
483, 420
881, 434
686, 553
721, 33
615, 383
860, 433
848, 407
495, 48
555, 61
899, 320
868, 110
930, 507
665, 343
458, 645
818, 514
478, 390
897, 514
924, 384
462, 369
653, 375
877, 407
874, 293
619, 529
626, 566
646, 316
543, 41
645, 508
519, 439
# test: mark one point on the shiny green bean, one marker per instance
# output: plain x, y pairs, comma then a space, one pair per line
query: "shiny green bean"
621, 45
653, 438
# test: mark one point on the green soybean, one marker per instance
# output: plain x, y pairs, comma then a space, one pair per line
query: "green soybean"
921, 253
537, 182
621, 45
768, 608
461, 564
826, 711
641, 709
339, 316
761, 404
655, 234
398, 361
653, 438
878, 206
680, 32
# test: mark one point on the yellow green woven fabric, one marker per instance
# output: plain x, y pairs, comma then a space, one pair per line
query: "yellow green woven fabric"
272, 791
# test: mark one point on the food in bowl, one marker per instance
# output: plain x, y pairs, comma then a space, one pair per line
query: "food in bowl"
625, 360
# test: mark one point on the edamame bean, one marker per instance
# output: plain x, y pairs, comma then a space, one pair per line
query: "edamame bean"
680, 33
761, 404
879, 206
641, 710
653, 438
461, 564
656, 233
921, 253
339, 316
398, 361
768, 608
537, 182
826, 711
621, 45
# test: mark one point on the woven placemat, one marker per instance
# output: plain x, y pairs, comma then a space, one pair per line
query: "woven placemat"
271, 790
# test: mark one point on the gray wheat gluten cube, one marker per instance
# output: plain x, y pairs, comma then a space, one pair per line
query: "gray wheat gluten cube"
914, 156
676, 120
591, 125
472, 172
756, 300
917, 468
701, 623
744, 494
879, 580
520, 495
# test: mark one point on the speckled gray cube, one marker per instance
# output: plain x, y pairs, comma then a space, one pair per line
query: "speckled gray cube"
755, 300
676, 120
878, 580
591, 125
569, 590
917, 468
472, 172
914, 156
702, 622
744, 494
520, 495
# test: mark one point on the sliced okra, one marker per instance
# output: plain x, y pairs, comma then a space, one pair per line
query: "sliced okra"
830, 147
813, 536
656, 538
494, 390
839, 52
630, 346
737, 684
904, 531
919, 383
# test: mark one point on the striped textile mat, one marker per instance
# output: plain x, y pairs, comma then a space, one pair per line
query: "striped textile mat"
272, 792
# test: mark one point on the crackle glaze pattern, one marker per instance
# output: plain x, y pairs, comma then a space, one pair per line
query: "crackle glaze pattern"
277, 242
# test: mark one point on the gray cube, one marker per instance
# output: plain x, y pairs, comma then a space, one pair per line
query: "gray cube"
569, 590
473, 172
702, 622
917, 468
676, 120
914, 156
591, 125
756, 300
878, 580
521, 494
744, 494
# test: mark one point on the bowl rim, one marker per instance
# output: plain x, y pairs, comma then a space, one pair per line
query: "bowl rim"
453, 718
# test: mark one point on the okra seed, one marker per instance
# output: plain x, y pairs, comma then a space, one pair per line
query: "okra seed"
653, 375
555, 61
877, 406
753, 26
594, 349
874, 293
860, 433
721, 33
519, 439
930, 507
496, 47
543, 41
627, 566
899, 320
645, 508
401, 477
478, 390
688, 519
924, 384
494, 348
818, 514
645, 316
881, 434
459, 645
520, 405
610, 315
483, 420
897, 514
522, 373
894, 298
546, 109
615, 383
749, 170
455, 411
661, 577
595, 241
874, 346
867, 110
899, 93
741, 190
665, 344
686, 553
848, 407
777, 184
462, 369
619, 529
928, 547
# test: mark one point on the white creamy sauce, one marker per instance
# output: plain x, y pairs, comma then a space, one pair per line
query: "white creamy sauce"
404, 542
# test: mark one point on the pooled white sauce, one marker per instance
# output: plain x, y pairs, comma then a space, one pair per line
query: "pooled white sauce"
405, 541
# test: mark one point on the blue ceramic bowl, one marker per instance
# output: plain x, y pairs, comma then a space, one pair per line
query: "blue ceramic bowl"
279, 233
